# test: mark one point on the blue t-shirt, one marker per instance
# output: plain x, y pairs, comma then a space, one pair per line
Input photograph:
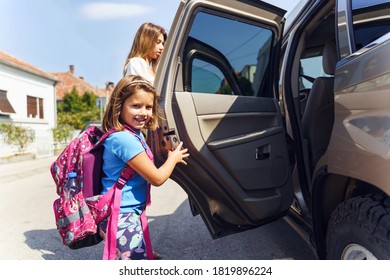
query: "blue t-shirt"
119, 148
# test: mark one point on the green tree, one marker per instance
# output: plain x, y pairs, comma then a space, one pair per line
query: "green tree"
76, 110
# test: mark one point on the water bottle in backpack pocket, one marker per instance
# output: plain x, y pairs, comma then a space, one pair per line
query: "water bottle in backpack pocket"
74, 219
72, 186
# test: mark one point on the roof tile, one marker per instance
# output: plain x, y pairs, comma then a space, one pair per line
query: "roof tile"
68, 80
18, 63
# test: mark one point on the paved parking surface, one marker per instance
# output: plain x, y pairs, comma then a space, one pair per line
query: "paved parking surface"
28, 227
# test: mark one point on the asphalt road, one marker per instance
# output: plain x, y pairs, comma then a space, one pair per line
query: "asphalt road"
28, 229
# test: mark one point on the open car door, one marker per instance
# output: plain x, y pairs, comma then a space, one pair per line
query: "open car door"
217, 80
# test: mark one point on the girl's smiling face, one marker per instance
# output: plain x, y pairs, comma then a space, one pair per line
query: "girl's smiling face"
138, 109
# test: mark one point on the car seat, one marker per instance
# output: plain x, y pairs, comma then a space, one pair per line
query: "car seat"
318, 117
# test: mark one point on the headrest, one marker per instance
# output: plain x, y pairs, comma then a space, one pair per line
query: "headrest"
329, 57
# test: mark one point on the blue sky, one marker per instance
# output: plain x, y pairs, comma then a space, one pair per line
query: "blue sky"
94, 36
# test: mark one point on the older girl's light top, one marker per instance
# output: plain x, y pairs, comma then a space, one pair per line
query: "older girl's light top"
138, 66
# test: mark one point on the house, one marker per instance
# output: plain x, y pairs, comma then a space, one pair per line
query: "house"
68, 81
28, 99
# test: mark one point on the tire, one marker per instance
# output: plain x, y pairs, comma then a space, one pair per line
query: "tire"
359, 229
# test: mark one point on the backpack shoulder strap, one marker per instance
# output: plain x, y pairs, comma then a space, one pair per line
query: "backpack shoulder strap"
127, 171
106, 134
146, 147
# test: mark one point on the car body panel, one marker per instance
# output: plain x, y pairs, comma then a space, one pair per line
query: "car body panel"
360, 142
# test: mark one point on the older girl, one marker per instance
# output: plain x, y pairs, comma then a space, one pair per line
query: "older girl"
145, 52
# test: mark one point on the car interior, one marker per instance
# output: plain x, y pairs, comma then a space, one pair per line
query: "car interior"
310, 104
312, 81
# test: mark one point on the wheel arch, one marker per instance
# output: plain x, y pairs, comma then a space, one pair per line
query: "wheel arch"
328, 191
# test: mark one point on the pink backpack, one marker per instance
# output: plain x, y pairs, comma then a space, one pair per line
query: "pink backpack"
77, 219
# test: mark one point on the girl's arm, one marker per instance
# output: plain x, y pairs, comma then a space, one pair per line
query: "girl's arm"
157, 176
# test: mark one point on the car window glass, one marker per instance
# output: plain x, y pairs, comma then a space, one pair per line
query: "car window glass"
311, 68
206, 77
226, 56
371, 20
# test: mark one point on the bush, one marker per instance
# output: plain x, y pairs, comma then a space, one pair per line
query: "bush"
61, 133
17, 135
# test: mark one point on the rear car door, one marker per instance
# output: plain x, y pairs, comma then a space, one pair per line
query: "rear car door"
217, 80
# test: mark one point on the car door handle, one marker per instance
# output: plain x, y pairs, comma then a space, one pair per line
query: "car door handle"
169, 133
169, 139
263, 152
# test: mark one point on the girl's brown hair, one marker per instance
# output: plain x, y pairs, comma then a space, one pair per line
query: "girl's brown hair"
144, 42
125, 88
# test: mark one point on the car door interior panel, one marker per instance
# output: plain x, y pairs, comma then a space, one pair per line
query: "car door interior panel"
245, 146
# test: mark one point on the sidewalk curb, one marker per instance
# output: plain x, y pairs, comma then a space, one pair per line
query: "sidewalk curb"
16, 158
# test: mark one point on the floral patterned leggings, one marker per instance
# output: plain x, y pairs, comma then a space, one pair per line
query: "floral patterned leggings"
130, 243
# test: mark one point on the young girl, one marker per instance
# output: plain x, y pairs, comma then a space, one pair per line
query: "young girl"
133, 106
145, 52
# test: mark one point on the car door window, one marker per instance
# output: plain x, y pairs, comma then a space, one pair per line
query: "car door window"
206, 77
226, 56
371, 20
311, 68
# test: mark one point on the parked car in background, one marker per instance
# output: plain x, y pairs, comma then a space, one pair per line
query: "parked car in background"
96, 123
282, 121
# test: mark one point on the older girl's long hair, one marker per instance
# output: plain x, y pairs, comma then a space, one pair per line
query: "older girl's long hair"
144, 42
125, 88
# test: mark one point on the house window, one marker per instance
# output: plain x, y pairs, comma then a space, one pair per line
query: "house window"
5, 105
35, 107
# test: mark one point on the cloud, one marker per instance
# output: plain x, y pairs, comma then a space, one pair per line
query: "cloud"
104, 10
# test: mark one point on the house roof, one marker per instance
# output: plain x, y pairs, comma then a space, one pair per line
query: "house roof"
10, 60
65, 81
68, 80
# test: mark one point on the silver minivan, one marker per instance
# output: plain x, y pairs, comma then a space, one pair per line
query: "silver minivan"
283, 119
